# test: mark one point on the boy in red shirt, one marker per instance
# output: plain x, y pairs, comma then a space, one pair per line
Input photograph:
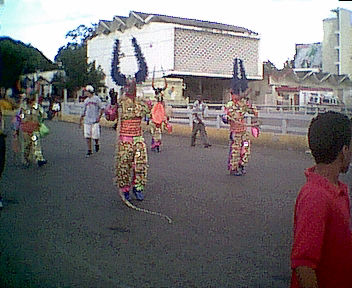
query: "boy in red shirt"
322, 247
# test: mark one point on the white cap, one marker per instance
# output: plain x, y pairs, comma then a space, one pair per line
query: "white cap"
89, 88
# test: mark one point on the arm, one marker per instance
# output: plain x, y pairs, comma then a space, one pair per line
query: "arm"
83, 113
307, 277
101, 110
311, 216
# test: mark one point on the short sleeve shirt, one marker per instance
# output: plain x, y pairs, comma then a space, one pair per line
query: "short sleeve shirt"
322, 232
91, 109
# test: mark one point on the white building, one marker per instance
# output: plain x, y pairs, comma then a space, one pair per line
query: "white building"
197, 55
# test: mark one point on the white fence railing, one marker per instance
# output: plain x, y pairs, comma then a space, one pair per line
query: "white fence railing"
276, 119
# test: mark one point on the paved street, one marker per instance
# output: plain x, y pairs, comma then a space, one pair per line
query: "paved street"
63, 225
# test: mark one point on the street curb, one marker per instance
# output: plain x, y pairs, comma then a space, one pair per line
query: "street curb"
221, 136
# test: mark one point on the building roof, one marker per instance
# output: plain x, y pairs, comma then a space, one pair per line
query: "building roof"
139, 19
192, 22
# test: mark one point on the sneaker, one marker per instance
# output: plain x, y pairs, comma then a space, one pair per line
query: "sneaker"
127, 196
41, 162
207, 145
139, 194
96, 148
89, 153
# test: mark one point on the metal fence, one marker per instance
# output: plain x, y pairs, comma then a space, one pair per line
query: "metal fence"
276, 119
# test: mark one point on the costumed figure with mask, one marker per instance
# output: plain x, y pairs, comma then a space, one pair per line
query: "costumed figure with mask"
131, 152
27, 126
159, 119
235, 112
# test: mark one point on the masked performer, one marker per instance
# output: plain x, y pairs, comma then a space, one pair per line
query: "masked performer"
28, 120
235, 111
131, 153
159, 120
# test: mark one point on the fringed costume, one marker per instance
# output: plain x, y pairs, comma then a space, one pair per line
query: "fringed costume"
235, 111
131, 151
159, 119
27, 124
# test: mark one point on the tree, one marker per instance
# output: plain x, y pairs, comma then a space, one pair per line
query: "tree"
73, 58
17, 58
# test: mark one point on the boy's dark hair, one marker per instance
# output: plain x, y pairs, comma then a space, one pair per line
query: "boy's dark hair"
327, 134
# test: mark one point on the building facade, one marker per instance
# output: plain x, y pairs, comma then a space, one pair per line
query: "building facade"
199, 54
337, 43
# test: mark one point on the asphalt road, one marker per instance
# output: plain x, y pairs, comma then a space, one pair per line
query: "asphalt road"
63, 225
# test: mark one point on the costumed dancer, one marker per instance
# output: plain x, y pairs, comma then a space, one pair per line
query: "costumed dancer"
236, 110
131, 152
27, 123
159, 118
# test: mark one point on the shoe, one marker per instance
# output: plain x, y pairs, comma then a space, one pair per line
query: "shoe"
243, 170
89, 153
207, 145
96, 148
193, 145
139, 194
235, 173
127, 196
41, 162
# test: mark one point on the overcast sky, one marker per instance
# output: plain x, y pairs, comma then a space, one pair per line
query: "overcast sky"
280, 23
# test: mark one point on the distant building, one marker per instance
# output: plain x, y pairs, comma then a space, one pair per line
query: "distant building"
337, 43
199, 54
308, 57
289, 87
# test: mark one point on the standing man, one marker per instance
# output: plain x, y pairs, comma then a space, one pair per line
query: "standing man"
91, 113
197, 124
322, 246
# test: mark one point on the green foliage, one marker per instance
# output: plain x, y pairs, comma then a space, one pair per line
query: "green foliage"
79, 73
17, 58
81, 33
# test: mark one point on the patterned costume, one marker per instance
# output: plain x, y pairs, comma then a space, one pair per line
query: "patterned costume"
235, 115
131, 152
27, 121
159, 120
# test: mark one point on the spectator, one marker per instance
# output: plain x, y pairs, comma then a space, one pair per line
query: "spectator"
198, 124
92, 112
322, 246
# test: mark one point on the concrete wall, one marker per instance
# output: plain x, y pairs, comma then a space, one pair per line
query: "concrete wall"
345, 17
155, 40
330, 43
202, 52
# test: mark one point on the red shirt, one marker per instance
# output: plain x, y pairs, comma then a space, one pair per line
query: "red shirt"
322, 232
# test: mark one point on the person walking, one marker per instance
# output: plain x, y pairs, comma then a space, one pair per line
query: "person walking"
198, 125
321, 253
91, 114
27, 124
235, 112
